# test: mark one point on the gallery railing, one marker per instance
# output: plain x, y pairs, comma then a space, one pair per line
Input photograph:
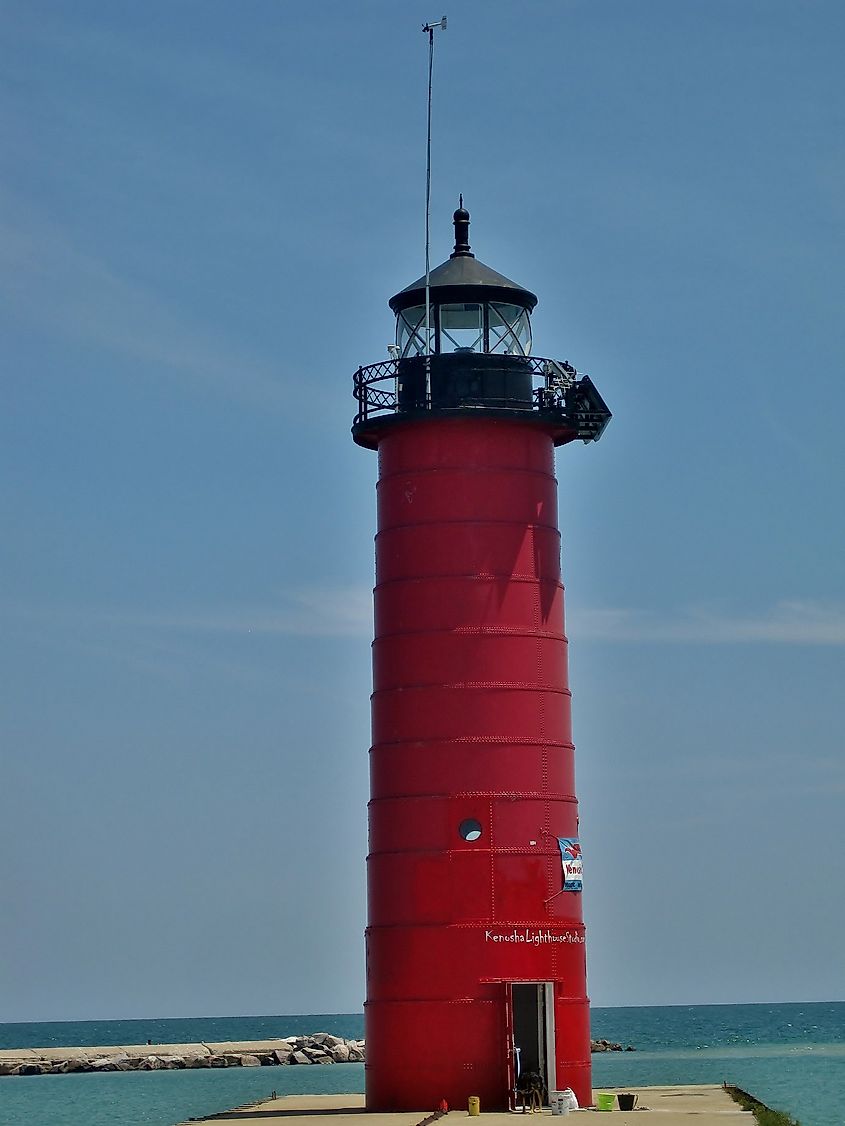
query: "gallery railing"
472, 381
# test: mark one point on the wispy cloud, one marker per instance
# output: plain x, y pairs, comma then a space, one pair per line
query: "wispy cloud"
346, 611
312, 611
48, 280
171, 644
794, 622
318, 611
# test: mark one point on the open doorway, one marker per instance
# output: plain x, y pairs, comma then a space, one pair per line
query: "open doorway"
532, 1025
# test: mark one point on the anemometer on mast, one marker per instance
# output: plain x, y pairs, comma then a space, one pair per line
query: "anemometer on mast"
429, 29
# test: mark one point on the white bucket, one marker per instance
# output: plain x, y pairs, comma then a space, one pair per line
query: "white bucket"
559, 1101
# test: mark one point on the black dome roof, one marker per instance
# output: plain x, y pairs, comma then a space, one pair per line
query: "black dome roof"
463, 278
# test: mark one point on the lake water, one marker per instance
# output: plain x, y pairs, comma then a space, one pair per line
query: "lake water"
790, 1056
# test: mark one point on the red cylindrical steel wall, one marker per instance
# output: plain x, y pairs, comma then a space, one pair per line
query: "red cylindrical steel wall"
471, 720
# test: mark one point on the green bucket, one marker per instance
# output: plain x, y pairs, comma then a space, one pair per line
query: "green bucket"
605, 1100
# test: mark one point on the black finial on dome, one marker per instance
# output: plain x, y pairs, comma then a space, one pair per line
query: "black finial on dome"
461, 220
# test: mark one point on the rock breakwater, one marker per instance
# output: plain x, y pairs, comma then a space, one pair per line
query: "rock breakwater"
289, 1051
321, 1048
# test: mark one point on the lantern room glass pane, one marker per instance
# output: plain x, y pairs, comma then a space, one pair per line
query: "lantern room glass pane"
410, 331
510, 329
461, 328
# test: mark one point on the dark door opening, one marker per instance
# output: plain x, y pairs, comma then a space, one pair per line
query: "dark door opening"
529, 1032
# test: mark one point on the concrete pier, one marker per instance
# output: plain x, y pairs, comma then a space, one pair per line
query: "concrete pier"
662, 1106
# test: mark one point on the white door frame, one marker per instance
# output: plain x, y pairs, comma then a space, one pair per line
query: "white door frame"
551, 1068
545, 1033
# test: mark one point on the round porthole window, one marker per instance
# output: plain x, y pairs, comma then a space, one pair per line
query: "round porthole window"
470, 829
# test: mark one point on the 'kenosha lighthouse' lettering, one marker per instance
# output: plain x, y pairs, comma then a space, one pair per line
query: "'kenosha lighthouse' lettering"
532, 937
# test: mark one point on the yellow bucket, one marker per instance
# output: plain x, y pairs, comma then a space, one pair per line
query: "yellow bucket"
605, 1100
474, 1105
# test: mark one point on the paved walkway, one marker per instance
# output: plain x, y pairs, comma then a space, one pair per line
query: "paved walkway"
660, 1106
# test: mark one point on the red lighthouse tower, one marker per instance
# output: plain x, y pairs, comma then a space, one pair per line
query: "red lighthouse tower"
475, 940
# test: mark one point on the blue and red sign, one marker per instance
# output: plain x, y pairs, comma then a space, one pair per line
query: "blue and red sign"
570, 855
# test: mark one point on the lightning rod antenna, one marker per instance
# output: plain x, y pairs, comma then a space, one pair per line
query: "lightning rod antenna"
429, 28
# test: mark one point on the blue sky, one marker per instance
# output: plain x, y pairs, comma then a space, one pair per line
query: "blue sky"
204, 208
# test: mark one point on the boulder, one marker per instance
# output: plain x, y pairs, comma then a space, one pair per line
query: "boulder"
340, 1053
33, 1069
197, 1061
356, 1055
218, 1061
326, 1040
608, 1046
313, 1053
68, 1067
282, 1056
298, 1057
249, 1060
150, 1063
104, 1063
